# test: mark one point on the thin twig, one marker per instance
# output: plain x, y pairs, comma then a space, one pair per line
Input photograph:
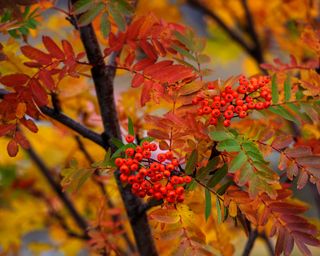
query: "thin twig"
250, 242
79, 220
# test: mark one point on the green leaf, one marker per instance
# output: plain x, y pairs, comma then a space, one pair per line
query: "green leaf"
124, 7
229, 145
218, 176
237, 162
221, 135
130, 127
218, 206
184, 52
208, 203
191, 163
122, 149
149, 139
105, 24
287, 89
224, 187
299, 94
281, 111
82, 6
183, 39
90, 15
203, 171
7, 175
118, 143
275, 92
117, 17
191, 186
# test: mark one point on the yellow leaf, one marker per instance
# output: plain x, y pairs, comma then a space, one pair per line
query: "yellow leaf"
233, 209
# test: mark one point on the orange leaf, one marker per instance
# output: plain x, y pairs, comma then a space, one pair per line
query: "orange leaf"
12, 148
14, 79
29, 124
22, 140
68, 49
35, 54
142, 64
5, 128
46, 79
39, 94
137, 80
21, 110
52, 48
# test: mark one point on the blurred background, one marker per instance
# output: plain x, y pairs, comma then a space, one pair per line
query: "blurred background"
240, 35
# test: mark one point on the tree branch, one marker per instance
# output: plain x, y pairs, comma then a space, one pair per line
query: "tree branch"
252, 32
103, 78
115, 218
232, 34
81, 223
250, 242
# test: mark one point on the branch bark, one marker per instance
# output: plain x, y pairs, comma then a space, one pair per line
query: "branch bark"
250, 242
103, 78
81, 223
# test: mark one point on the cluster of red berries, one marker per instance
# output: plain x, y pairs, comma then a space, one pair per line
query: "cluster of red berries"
250, 94
159, 178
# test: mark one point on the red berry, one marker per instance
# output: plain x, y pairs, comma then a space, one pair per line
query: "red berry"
169, 155
216, 112
153, 147
138, 156
129, 151
228, 114
179, 190
228, 98
226, 123
239, 102
154, 166
206, 110
145, 144
242, 114
124, 169
123, 178
180, 198
187, 179
134, 167
213, 121
118, 162
146, 154
161, 157
131, 179
129, 138
143, 172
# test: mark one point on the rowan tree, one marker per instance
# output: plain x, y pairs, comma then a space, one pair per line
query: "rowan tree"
119, 136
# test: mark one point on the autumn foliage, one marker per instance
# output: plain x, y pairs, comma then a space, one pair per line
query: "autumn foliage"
178, 162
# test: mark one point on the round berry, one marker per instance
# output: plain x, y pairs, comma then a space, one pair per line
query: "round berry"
226, 123
129, 138
129, 151
187, 179
118, 162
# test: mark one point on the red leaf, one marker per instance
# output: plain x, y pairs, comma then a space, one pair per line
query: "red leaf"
309, 161
148, 49
32, 64
137, 80
155, 68
14, 79
39, 94
68, 49
158, 47
299, 151
46, 79
5, 128
22, 140
142, 64
281, 142
29, 124
146, 92
35, 54
52, 48
302, 180
12, 148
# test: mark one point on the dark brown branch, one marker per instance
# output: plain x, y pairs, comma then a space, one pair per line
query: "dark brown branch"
252, 32
115, 218
73, 125
103, 78
81, 223
268, 243
232, 34
55, 214
250, 242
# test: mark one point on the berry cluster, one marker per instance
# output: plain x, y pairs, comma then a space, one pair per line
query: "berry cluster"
158, 178
250, 94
